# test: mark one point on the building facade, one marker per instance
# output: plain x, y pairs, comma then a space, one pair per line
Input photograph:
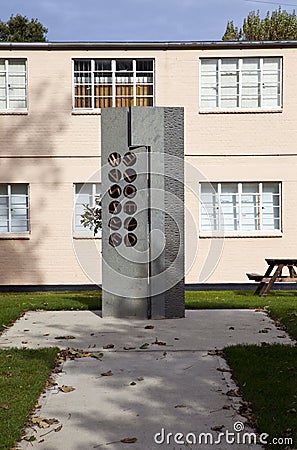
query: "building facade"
239, 102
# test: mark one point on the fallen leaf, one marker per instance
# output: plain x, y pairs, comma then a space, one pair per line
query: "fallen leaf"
292, 411
59, 428
226, 407
132, 383
108, 346
29, 438
97, 356
176, 339
140, 379
231, 328
149, 327
156, 342
66, 389
24, 342
217, 427
129, 348
37, 406
223, 370
87, 355
65, 337
4, 406
50, 383
107, 374
46, 334
215, 352
129, 440
180, 406
43, 422
233, 393
144, 346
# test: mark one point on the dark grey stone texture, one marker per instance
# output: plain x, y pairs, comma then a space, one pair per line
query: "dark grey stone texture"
146, 280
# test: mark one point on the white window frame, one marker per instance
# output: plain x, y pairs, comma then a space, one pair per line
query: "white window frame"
85, 232
240, 60
10, 208
220, 232
8, 107
113, 71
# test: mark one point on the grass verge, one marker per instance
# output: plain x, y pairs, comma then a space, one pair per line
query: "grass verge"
23, 374
266, 376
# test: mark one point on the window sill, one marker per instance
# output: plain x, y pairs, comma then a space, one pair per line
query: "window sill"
241, 235
14, 112
86, 112
13, 236
241, 111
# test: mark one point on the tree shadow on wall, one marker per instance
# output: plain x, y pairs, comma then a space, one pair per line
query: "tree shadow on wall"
28, 144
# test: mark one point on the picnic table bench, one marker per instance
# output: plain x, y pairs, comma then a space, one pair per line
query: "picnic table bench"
274, 273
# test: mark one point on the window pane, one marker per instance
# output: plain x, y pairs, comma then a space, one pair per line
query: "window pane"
16, 66
229, 65
144, 65
85, 194
124, 65
102, 65
248, 89
209, 211
250, 64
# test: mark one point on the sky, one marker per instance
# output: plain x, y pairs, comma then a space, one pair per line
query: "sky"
137, 20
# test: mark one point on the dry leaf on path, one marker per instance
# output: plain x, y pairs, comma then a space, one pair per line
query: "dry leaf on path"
64, 337
43, 422
66, 389
217, 427
108, 346
129, 440
97, 355
4, 406
107, 374
144, 346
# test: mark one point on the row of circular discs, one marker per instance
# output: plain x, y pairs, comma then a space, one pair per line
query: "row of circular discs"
129, 191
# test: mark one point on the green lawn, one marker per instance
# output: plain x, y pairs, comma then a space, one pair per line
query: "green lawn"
23, 374
267, 375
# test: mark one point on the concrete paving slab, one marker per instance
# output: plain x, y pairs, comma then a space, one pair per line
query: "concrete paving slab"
200, 330
176, 388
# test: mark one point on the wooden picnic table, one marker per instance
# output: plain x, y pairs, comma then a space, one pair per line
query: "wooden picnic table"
274, 273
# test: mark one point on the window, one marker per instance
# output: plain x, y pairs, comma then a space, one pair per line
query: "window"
240, 83
240, 208
102, 83
14, 208
13, 84
85, 194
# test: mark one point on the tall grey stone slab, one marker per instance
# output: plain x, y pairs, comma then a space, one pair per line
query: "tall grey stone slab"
163, 131
146, 280
124, 265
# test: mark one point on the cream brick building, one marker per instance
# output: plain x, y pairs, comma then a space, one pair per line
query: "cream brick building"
240, 151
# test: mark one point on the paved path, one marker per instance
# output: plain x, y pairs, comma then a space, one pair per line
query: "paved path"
178, 387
